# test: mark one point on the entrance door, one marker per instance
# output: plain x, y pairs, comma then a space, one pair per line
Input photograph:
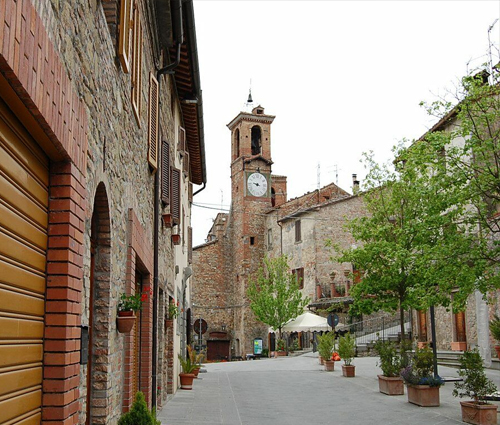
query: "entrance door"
422, 326
218, 350
460, 327
24, 179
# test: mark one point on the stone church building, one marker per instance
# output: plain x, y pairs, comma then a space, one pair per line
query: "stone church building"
263, 222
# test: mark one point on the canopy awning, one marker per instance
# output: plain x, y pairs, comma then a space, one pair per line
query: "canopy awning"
307, 322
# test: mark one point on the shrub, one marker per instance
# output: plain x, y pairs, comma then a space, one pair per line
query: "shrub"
475, 383
139, 414
347, 348
326, 344
390, 359
495, 328
420, 371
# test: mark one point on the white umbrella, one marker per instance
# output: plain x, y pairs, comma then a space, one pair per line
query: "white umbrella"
307, 322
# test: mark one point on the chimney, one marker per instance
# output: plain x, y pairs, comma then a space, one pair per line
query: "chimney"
355, 184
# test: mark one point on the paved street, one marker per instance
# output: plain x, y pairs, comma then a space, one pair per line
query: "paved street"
296, 391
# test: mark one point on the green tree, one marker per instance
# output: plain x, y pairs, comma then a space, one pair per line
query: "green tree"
414, 246
468, 137
275, 297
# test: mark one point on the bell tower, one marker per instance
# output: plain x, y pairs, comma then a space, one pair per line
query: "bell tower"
251, 196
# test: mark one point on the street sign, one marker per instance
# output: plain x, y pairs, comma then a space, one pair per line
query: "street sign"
200, 326
333, 319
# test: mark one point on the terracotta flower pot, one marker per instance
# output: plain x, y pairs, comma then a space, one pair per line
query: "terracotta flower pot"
196, 372
321, 361
349, 371
497, 348
281, 353
186, 381
125, 321
479, 414
423, 395
176, 239
329, 365
391, 385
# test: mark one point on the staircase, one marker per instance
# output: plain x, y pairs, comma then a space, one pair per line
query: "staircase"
451, 359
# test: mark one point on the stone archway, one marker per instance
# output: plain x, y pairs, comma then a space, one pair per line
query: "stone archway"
98, 308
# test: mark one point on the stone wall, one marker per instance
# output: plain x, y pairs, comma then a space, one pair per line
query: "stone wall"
82, 101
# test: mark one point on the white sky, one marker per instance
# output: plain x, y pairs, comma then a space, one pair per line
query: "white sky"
342, 78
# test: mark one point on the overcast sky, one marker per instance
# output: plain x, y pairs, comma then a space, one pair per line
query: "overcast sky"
342, 78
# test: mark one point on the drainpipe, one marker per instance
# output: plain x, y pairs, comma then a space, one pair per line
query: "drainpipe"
169, 69
199, 190
281, 237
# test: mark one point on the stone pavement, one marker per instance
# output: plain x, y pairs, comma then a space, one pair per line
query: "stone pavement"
296, 391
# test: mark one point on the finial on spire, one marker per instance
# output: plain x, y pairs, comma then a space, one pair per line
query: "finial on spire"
250, 100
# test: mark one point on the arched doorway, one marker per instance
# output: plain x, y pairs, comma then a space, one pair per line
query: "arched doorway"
98, 307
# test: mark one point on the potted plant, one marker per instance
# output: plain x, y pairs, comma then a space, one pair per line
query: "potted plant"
173, 310
347, 351
281, 348
127, 306
422, 385
477, 386
195, 359
139, 413
495, 332
389, 382
326, 344
187, 375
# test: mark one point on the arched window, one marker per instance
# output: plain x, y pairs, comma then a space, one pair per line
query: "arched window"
273, 197
256, 140
236, 144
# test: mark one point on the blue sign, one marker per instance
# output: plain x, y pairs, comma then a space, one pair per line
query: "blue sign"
257, 346
333, 319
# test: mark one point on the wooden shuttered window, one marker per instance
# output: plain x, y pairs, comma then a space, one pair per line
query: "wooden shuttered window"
125, 35
181, 145
185, 165
190, 244
136, 65
153, 122
175, 196
190, 192
165, 172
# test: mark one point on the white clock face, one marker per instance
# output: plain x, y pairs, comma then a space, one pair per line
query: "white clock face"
257, 184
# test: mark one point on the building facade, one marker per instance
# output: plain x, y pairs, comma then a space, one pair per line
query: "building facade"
101, 143
262, 222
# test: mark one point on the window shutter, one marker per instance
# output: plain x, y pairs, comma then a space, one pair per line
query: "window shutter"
136, 65
175, 207
153, 122
165, 172
124, 37
181, 145
190, 244
298, 236
185, 164
190, 192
